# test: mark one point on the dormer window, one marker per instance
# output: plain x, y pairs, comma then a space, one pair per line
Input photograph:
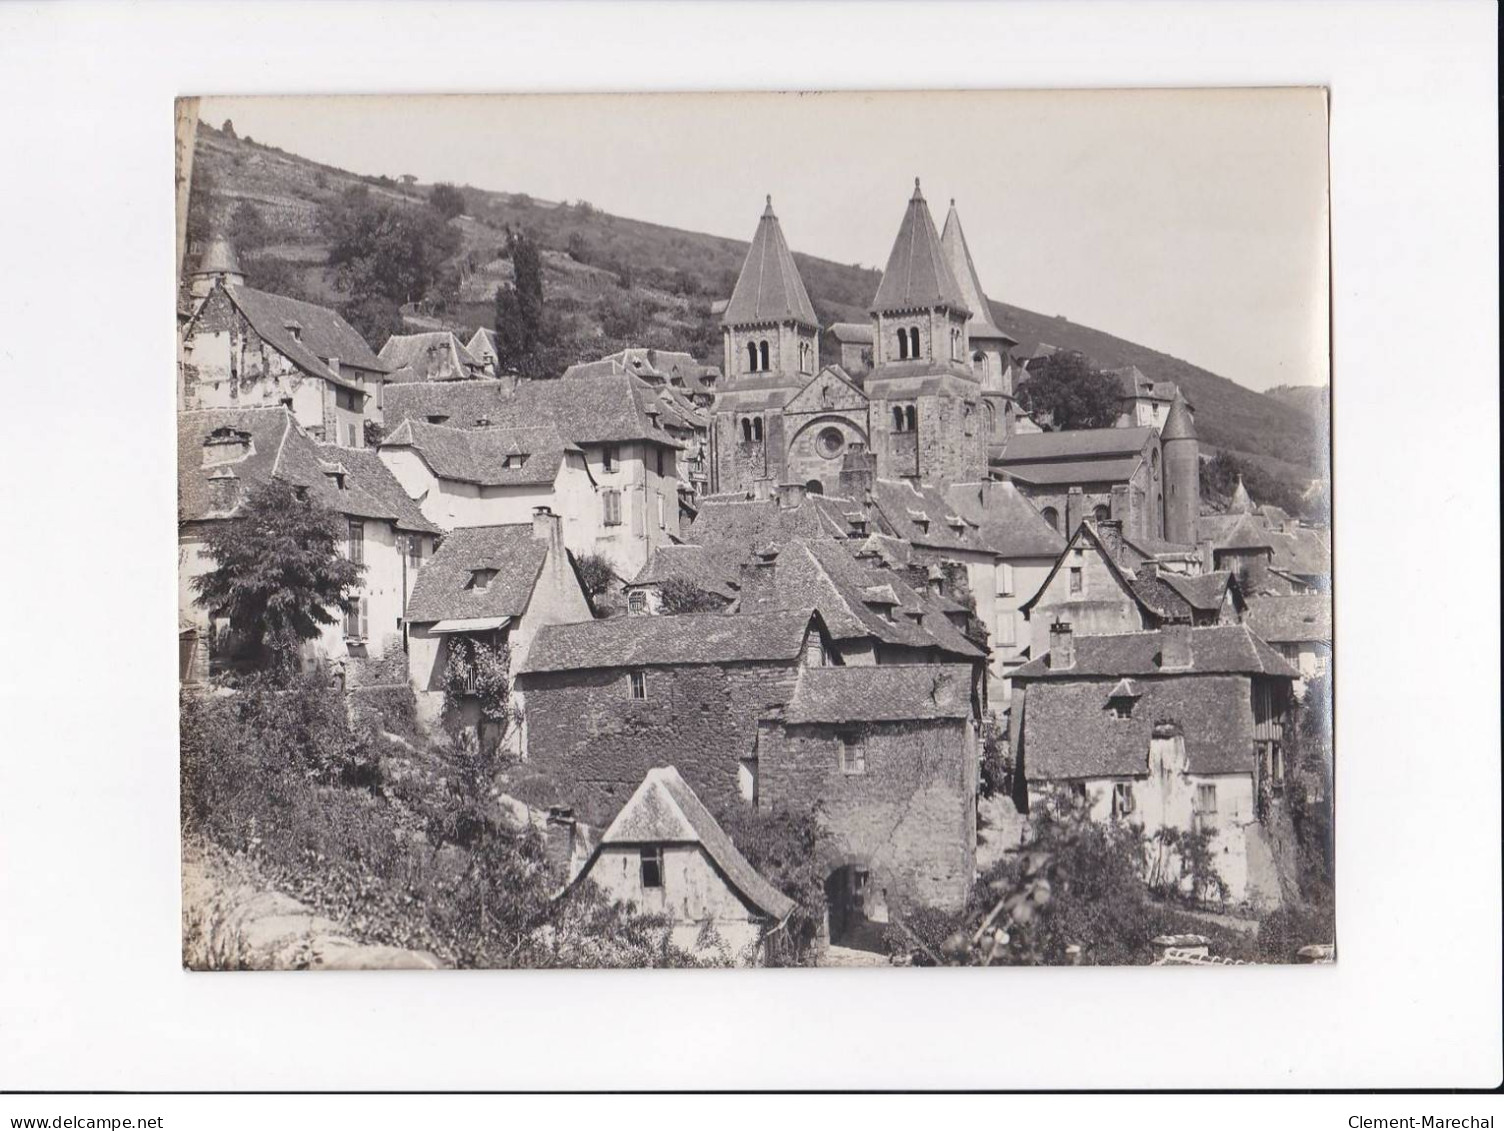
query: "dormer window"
514, 461
608, 458
480, 579
437, 418
1122, 698
295, 329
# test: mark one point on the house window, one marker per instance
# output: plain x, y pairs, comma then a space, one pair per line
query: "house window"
638, 684
762, 355
480, 579
1205, 816
661, 518
352, 435
1007, 628
1052, 516
637, 602
608, 458
611, 507
1005, 580
357, 542
355, 620
757, 429
1122, 799
1120, 706
1078, 582
853, 754
652, 866
414, 551
345, 399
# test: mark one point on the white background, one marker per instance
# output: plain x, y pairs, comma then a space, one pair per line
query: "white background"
90, 991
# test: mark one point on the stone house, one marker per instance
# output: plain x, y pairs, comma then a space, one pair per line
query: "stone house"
1299, 627
1089, 588
223, 455
890, 755
1143, 403
244, 348
610, 699
665, 855
497, 585
437, 355
1183, 728
620, 487
482, 347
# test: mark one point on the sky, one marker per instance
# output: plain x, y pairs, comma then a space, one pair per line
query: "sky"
1191, 222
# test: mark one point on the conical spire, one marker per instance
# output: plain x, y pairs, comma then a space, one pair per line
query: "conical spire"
1178, 424
917, 274
1241, 503
958, 255
769, 288
218, 258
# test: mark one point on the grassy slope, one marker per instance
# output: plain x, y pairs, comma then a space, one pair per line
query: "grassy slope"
674, 275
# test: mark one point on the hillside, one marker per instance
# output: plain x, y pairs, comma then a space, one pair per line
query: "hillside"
614, 281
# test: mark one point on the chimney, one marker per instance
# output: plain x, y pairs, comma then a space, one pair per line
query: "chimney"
482, 421
1075, 504
333, 364
1175, 646
1208, 556
791, 496
224, 489
1062, 646
762, 489
225, 445
934, 582
1110, 533
858, 470
1149, 570
548, 528
1120, 502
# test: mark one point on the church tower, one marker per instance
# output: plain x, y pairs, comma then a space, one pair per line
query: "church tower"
1182, 487
991, 348
771, 347
926, 403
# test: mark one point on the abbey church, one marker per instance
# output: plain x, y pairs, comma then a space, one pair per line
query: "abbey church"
930, 402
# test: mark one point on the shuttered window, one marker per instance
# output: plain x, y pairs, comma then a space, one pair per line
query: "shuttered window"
611, 507
357, 542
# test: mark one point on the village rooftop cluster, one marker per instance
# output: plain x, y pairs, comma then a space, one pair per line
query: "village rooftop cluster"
892, 558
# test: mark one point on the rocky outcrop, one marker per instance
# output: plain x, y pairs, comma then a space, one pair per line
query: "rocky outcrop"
232, 921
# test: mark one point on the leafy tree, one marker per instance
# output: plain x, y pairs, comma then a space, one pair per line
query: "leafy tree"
578, 248
479, 673
1072, 391
274, 275
248, 230
996, 778
446, 200
382, 248
278, 574
228, 129
523, 334
681, 595
596, 576
376, 317
786, 846
203, 198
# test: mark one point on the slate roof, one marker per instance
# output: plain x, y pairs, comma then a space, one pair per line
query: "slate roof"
1205, 592
691, 638
769, 288
586, 410
442, 590
1301, 550
1067, 732
958, 254
1178, 424
478, 455
1068, 472
924, 516
482, 345
1082, 443
279, 449
917, 274
1217, 650
1289, 620
665, 810
752, 523
884, 693
434, 356
322, 334
672, 366
1009, 523
1247, 534
714, 569
217, 258
1136, 385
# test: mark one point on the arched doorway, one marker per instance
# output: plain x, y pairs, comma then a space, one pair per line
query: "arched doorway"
858, 911
814, 487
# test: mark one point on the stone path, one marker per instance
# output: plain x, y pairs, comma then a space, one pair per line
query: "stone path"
849, 956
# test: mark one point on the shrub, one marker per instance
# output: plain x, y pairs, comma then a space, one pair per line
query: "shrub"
596, 576
681, 595
786, 847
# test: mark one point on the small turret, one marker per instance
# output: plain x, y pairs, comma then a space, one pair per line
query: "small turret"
1241, 503
217, 262
1182, 481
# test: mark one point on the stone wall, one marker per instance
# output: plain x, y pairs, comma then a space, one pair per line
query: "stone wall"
587, 733
910, 818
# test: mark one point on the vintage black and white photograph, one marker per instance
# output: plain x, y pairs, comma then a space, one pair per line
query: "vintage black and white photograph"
728, 530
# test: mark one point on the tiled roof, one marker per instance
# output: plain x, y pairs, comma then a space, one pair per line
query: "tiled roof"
434, 356
769, 288
1068, 732
1205, 592
672, 366
1220, 650
714, 569
752, 523
1289, 620
665, 810
925, 517
443, 590
479, 455
1008, 521
1178, 424
321, 333
692, 638
462, 403
884, 693
217, 258
1247, 534
958, 254
1301, 550
278, 448
1082, 443
482, 345
917, 274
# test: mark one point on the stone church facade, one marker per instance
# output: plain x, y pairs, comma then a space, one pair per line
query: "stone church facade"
937, 395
